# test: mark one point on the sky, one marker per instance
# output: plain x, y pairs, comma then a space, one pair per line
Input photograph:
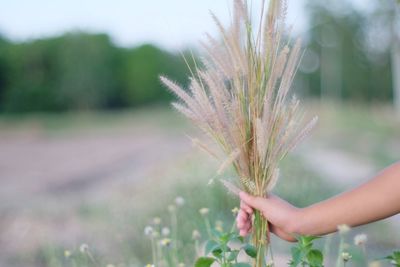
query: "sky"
172, 24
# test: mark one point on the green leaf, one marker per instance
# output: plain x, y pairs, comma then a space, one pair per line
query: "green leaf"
307, 240
233, 255
204, 262
211, 245
250, 250
315, 258
296, 257
241, 264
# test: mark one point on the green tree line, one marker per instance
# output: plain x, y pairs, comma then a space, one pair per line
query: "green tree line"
80, 71
347, 57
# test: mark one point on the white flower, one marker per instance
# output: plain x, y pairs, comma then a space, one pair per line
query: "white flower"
360, 239
166, 242
84, 248
374, 264
148, 230
219, 226
181, 264
149, 265
204, 211
171, 208
343, 228
346, 256
165, 231
156, 220
179, 201
67, 253
210, 182
270, 264
196, 235
235, 211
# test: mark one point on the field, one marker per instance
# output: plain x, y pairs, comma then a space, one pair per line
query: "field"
99, 178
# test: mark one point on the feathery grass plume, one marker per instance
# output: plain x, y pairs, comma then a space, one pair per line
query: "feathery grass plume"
239, 98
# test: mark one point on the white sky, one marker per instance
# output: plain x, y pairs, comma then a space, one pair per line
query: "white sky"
172, 24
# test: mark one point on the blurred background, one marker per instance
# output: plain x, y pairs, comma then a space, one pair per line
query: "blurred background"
91, 151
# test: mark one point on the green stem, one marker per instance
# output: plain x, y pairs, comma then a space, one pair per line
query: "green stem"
260, 240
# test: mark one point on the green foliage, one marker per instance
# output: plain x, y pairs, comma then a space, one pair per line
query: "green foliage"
79, 71
304, 254
394, 258
344, 59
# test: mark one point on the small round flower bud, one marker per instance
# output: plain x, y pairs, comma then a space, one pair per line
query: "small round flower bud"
171, 208
179, 201
360, 239
84, 248
165, 231
196, 235
204, 211
156, 220
166, 242
343, 228
67, 253
235, 211
148, 230
346, 256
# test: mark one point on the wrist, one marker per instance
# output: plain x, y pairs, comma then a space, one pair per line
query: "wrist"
296, 222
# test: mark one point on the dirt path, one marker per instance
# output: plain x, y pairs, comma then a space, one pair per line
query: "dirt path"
38, 171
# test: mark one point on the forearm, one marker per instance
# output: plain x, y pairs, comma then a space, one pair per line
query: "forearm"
377, 199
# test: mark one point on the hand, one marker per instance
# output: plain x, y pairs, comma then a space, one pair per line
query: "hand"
282, 217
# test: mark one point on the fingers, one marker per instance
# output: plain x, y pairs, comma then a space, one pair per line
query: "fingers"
246, 207
243, 222
252, 201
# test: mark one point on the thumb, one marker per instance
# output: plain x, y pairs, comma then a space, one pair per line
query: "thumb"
252, 201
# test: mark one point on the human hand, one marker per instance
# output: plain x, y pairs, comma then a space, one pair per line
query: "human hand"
282, 217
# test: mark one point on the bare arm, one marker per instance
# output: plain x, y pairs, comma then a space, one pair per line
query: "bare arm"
377, 199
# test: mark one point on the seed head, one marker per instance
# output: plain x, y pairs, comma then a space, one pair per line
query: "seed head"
67, 253
196, 234
343, 228
148, 230
171, 208
156, 220
235, 211
166, 242
346, 256
219, 226
360, 240
84, 248
179, 201
204, 211
165, 231
374, 264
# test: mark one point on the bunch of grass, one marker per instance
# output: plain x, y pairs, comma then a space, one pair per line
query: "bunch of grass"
240, 98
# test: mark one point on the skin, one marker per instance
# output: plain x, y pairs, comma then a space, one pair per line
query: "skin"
377, 199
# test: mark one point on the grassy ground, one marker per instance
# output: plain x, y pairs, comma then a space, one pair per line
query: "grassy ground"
100, 179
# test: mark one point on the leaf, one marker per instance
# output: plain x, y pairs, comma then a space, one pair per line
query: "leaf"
211, 245
315, 258
250, 250
204, 262
296, 257
233, 255
307, 240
